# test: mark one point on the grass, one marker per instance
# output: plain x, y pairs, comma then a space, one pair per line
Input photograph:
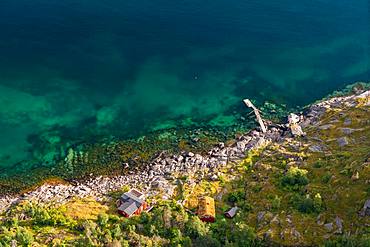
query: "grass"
85, 209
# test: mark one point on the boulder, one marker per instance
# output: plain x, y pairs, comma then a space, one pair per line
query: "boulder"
325, 127
347, 122
296, 130
339, 223
365, 211
343, 141
293, 118
329, 227
316, 148
355, 176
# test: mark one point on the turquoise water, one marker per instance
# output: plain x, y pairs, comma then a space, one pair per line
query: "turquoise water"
77, 71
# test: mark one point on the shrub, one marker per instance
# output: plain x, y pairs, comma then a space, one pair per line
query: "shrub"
236, 196
41, 216
318, 164
326, 178
24, 237
103, 219
276, 203
116, 232
307, 205
195, 228
295, 178
257, 188
318, 203
348, 241
242, 235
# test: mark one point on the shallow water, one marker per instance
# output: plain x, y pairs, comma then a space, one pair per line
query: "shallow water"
71, 71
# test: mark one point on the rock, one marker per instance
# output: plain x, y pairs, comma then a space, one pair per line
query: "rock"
213, 177
347, 131
355, 176
260, 216
241, 145
289, 219
13, 243
275, 220
339, 223
268, 234
293, 118
296, 234
325, 127
190, 154
347, 122
365, 211
343, 141
329, 227
316, 148
296, 130
318, 220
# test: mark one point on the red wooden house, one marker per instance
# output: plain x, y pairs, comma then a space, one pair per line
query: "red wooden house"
132, 203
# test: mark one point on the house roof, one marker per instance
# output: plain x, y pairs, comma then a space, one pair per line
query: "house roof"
134, 195
129, 207
131, 201
206, 206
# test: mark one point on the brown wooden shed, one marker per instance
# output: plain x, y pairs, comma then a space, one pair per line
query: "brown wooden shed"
206, 209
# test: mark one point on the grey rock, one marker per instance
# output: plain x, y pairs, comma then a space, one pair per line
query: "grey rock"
296, 130
316, 148
347, 122
213, 177
343, 141
325, 127
318, 220
268, 234
365, 211
339, 223
347, 131
329, 227
260, 216
296, 234
275, 220
293, 118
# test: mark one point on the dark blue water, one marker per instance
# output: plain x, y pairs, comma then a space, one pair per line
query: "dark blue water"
73, 69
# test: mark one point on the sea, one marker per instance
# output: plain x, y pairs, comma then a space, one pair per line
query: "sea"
77, 71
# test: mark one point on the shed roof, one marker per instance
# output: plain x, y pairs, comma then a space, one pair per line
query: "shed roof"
231, 212
206, 206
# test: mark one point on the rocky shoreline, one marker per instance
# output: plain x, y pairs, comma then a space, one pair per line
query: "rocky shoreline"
160, 172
